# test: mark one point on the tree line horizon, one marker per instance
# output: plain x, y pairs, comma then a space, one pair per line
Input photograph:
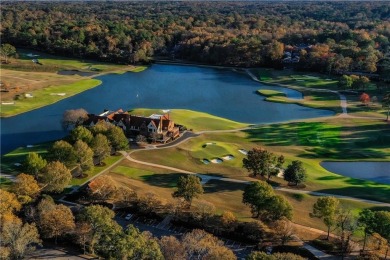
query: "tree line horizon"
331, 37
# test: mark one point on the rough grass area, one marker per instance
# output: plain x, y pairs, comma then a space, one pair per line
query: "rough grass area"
46, 96
197, 121
224, 195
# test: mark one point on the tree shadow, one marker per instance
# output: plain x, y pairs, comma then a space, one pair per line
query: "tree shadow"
213, 186
168, 180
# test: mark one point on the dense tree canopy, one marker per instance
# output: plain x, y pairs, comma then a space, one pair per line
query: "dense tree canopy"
332, 36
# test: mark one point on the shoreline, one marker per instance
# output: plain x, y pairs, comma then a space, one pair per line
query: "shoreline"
60, 98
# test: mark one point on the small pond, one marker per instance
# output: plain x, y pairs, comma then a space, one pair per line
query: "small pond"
372, 171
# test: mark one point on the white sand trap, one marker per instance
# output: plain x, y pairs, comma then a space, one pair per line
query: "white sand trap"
300, 80
228, 157
243, 151
29, 146
205, 161
217, 160
17, 164
210, 143
8, 103
328, 79
58, 94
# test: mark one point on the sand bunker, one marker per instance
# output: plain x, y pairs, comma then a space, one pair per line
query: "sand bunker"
243, 151
205, 161
217, 160
228, 157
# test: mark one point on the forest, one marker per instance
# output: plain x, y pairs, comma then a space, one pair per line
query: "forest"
330, 37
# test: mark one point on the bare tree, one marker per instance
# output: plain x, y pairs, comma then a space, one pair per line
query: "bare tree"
73, 118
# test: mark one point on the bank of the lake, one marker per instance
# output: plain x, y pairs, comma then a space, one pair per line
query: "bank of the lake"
371, 171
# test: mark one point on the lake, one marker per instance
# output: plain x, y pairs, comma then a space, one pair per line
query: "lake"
221, 92
372, 171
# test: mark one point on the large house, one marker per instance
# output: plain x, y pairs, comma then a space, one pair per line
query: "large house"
158, 127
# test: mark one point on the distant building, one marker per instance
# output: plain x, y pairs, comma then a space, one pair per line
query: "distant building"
159, 127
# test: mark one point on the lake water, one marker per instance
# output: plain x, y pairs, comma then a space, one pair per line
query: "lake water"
220, 92
373, 171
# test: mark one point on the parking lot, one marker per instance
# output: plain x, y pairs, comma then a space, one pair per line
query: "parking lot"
163, 227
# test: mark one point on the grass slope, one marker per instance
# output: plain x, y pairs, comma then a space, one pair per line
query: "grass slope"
43, 97
197, 121
224, 195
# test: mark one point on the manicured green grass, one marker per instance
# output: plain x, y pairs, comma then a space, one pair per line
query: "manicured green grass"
197, 121
19, 155
54, 63
311, 142
5, 183
43, 97
166, 180
97, 169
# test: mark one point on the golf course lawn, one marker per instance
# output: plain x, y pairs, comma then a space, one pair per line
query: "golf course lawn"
324, 100
42, 83
46, 96
197, 121
224, 195
310, 142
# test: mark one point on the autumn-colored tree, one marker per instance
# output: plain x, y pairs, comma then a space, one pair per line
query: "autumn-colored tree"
101, 147
172, 248
365, 99
18, 239
203, 210
33, 164
8, 203
54, 177
283, 230
83, 232
26, 185
149, 203
257, 255
125, 197
201, 245
56, 222
188, 188
102, 188
228, 220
